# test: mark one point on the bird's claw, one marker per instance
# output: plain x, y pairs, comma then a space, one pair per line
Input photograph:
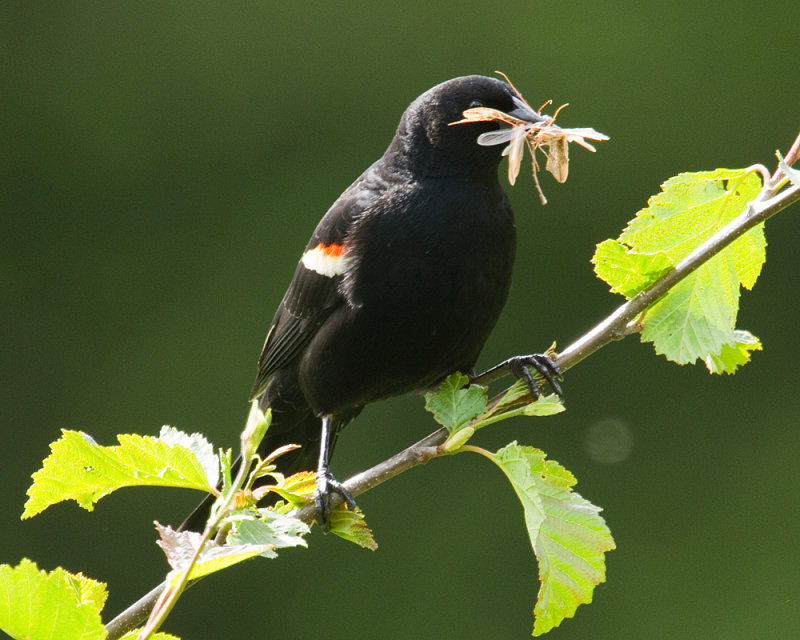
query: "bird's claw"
520, 367
327, 485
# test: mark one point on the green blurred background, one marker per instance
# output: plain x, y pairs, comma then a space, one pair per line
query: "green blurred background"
165, 164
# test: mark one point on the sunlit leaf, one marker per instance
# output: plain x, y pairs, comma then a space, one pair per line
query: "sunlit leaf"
567, 533
199, 446
41, 605
697, 317
734, 355
627, 272
277, 531
80, 469
351, 526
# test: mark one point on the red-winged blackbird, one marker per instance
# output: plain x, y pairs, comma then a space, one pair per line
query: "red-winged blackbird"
400, 285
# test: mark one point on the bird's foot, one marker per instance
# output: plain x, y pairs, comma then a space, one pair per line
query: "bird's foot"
327, 486
521, 367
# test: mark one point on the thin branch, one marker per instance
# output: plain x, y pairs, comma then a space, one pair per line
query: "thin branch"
615, 327
136, 614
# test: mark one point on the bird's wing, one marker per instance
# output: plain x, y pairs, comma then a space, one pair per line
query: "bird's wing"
315, 290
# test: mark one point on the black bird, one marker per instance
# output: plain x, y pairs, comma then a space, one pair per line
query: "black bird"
400, 284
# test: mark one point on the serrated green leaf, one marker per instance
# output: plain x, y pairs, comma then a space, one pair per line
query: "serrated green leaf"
37, 605
277, 531
86, 590
298, 490
734, 355
222, 557
567, 534
543, 406
181, 546
548, 405
453, 405
199, 446
250, 538
59, 605
517, 467
696, 318
80, 469
351, 526
627, 272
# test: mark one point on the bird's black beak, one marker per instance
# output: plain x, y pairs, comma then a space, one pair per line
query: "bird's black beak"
522, 111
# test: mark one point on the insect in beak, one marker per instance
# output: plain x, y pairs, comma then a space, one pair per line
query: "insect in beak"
526, 126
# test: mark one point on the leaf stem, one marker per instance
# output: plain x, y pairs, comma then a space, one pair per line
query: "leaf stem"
479, 450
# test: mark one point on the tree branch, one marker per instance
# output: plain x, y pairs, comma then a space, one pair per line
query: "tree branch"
615, 327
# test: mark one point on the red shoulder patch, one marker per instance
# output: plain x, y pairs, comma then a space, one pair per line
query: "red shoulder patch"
326, 259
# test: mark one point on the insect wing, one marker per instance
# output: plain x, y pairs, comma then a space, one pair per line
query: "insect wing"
514, 152
496, 137
558, 158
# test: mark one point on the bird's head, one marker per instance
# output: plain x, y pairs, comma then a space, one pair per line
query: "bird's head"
425, 136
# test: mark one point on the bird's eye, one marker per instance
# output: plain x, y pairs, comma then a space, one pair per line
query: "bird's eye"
475, 103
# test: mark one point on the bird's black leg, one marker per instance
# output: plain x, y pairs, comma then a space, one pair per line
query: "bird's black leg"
520, 367
327, 485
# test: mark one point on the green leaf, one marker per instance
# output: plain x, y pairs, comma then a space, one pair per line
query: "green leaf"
548, 405
255, 538
697, 317
249, 538
627, 272
181, 546
277, 531
80, 469
298, 489
518, 471
37, 605
567, 534
734, 355
199, 446
351, 526
457, 440
508, 407
454, 405
59, 605
256, 428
